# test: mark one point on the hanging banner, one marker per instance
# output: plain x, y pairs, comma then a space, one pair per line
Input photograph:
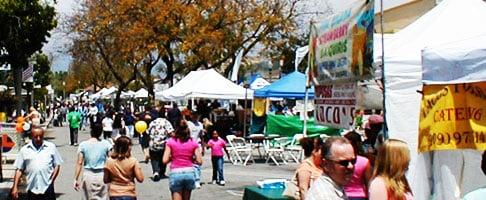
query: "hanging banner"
452, 117
335, 104
342, 45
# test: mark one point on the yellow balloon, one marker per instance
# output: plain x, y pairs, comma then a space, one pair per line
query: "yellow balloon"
141, 126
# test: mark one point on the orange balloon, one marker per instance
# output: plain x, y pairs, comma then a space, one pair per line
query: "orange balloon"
20, 119
19, 128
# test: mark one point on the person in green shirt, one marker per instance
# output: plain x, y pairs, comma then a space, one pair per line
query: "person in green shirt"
74, 119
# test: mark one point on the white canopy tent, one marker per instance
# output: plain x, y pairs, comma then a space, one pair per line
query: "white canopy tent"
448, 21
98, 94
461, 61
142, 93
108, 92
204, 84
127, 95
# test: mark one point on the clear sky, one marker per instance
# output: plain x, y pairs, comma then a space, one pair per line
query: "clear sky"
56, 46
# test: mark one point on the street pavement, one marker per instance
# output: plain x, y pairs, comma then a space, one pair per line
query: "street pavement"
236, 176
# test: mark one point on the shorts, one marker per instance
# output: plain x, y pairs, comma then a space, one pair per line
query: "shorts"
182, 180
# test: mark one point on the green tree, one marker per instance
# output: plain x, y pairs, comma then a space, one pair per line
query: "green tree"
42, 70
25, 26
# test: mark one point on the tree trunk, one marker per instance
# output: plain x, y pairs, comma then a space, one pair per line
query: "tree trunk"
17, 70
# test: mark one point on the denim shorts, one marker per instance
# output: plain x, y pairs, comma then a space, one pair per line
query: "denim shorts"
180, 180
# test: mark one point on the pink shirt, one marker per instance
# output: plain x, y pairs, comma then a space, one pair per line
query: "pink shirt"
181, 153
356, 186
217, 146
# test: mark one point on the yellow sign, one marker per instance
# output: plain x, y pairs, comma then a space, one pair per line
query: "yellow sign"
452, 117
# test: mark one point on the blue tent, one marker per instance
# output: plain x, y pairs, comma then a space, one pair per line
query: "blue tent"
290, 86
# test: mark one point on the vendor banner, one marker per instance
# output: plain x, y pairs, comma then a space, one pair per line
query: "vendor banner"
341, 46
452, 117
335, 104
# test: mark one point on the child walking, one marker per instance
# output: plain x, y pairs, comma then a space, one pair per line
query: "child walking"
217, 145
121, 170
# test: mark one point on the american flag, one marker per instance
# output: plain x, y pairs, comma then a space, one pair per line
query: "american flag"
28, 74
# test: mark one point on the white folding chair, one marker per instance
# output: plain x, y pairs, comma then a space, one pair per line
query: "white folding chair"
232, 150
239, 150
243, 150
295, 148
273, 148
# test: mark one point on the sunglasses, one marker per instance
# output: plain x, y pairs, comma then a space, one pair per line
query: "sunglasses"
344, 163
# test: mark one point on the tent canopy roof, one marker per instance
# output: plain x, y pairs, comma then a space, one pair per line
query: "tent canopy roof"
289, 86
461, 61
204, 84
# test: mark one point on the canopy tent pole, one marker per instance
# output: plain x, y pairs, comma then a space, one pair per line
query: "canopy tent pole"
306, 99
385, 132
244, 112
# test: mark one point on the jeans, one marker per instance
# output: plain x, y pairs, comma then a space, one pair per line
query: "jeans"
130, 131
156, 161
73, 135
49, 194
182, 180
217, 162
197, 173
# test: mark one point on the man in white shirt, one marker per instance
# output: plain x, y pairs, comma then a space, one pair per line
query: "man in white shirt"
338, 161
40, 162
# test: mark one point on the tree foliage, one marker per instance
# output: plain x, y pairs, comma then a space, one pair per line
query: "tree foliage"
42, 70
25, 26
134, 36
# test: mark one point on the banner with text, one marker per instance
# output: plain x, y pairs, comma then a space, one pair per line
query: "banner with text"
335, 104
342, 45
452, 117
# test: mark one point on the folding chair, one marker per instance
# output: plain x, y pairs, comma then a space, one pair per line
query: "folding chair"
275, 148
295, 147
240, 150
232, 149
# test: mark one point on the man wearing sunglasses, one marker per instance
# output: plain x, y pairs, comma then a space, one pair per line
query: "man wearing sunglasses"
338, 161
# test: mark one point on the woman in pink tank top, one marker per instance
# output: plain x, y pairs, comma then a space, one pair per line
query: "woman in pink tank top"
182, 152
357, 189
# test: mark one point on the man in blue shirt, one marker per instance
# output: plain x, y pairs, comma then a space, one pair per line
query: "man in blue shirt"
40, 161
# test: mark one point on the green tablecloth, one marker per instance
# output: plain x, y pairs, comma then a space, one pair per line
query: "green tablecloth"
290, 125
255, 193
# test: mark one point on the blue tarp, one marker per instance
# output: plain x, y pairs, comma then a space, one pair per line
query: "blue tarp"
290, 86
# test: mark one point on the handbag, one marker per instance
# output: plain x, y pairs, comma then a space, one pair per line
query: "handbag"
292, 189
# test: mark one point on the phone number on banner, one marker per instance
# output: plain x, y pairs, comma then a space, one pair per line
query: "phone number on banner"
456, 138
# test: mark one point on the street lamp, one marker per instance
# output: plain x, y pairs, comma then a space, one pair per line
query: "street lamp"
63, 90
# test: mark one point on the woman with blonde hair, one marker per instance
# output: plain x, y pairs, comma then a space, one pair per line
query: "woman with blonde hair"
389, 181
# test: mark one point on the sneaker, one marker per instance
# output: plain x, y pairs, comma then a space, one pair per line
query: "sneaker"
156, 176
222, 183
214, 182
198, 185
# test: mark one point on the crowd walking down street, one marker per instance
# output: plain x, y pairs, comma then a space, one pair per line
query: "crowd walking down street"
236, 177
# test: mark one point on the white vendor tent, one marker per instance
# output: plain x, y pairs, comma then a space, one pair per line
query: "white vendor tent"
456, 172
204, 84
98, 94
142, 93
127, 95
109, 91
450, 20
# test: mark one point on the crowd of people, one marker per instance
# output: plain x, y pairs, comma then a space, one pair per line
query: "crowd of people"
337, 168
105, 168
